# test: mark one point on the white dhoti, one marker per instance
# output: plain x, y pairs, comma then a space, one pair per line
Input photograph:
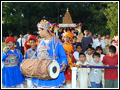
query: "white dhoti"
29, 83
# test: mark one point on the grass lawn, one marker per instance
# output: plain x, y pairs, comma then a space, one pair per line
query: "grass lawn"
3, 45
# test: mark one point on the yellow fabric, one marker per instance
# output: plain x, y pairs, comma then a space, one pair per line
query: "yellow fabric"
14, 45
67, 47
68, 34
28, 43
69, 59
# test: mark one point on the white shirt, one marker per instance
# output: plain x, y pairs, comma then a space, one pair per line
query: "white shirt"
97, 43
89, 58
101, 57
46, 41
76, 55
82, 75
23, 41
25, 37
93, 40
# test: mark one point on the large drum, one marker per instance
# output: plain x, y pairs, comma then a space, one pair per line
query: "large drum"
42, 69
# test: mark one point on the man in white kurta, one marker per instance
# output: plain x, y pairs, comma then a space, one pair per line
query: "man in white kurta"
99, 42
82, 75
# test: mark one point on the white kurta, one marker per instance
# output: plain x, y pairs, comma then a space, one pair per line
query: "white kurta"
82, 75
89, 58
97, 43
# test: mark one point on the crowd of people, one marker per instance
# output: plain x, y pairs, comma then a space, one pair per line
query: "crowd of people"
93, 50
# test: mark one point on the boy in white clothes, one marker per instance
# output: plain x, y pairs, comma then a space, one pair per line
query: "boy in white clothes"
78, 50
89, 59
95, 73
82, 72
89, 53
99, 50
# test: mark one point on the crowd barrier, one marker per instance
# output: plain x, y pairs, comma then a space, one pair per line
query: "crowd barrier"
74, 69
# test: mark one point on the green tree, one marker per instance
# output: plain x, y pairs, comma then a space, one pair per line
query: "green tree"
98, 20
23, 16
111, 13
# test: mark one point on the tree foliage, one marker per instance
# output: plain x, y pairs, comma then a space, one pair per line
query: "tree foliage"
97, 17
111, 13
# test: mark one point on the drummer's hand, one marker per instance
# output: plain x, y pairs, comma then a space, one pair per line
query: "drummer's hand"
63, 66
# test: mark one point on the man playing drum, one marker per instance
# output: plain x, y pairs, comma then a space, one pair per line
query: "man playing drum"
50, 48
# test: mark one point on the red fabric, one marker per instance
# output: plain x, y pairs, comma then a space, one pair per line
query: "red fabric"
26, 47
32, 37
72, 49
68, 75
9, 39
68, 71
110, 74
73, 58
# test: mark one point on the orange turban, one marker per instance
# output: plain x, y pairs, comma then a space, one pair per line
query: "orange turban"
68, 34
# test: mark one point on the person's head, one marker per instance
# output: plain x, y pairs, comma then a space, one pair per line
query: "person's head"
93, 50
21, 35
116, 38
67, 36
82, 57
86, 32
113, 42
42, 32
96, 57
99, 36
32, 41
10, 42
64, 30
79, 47
89, 49
107, 36
44, 27
74, 39
112, 51
14, 36
99, 49
90, 34
94, 36
103, 37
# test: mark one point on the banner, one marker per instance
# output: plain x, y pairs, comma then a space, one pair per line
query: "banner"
66, 25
